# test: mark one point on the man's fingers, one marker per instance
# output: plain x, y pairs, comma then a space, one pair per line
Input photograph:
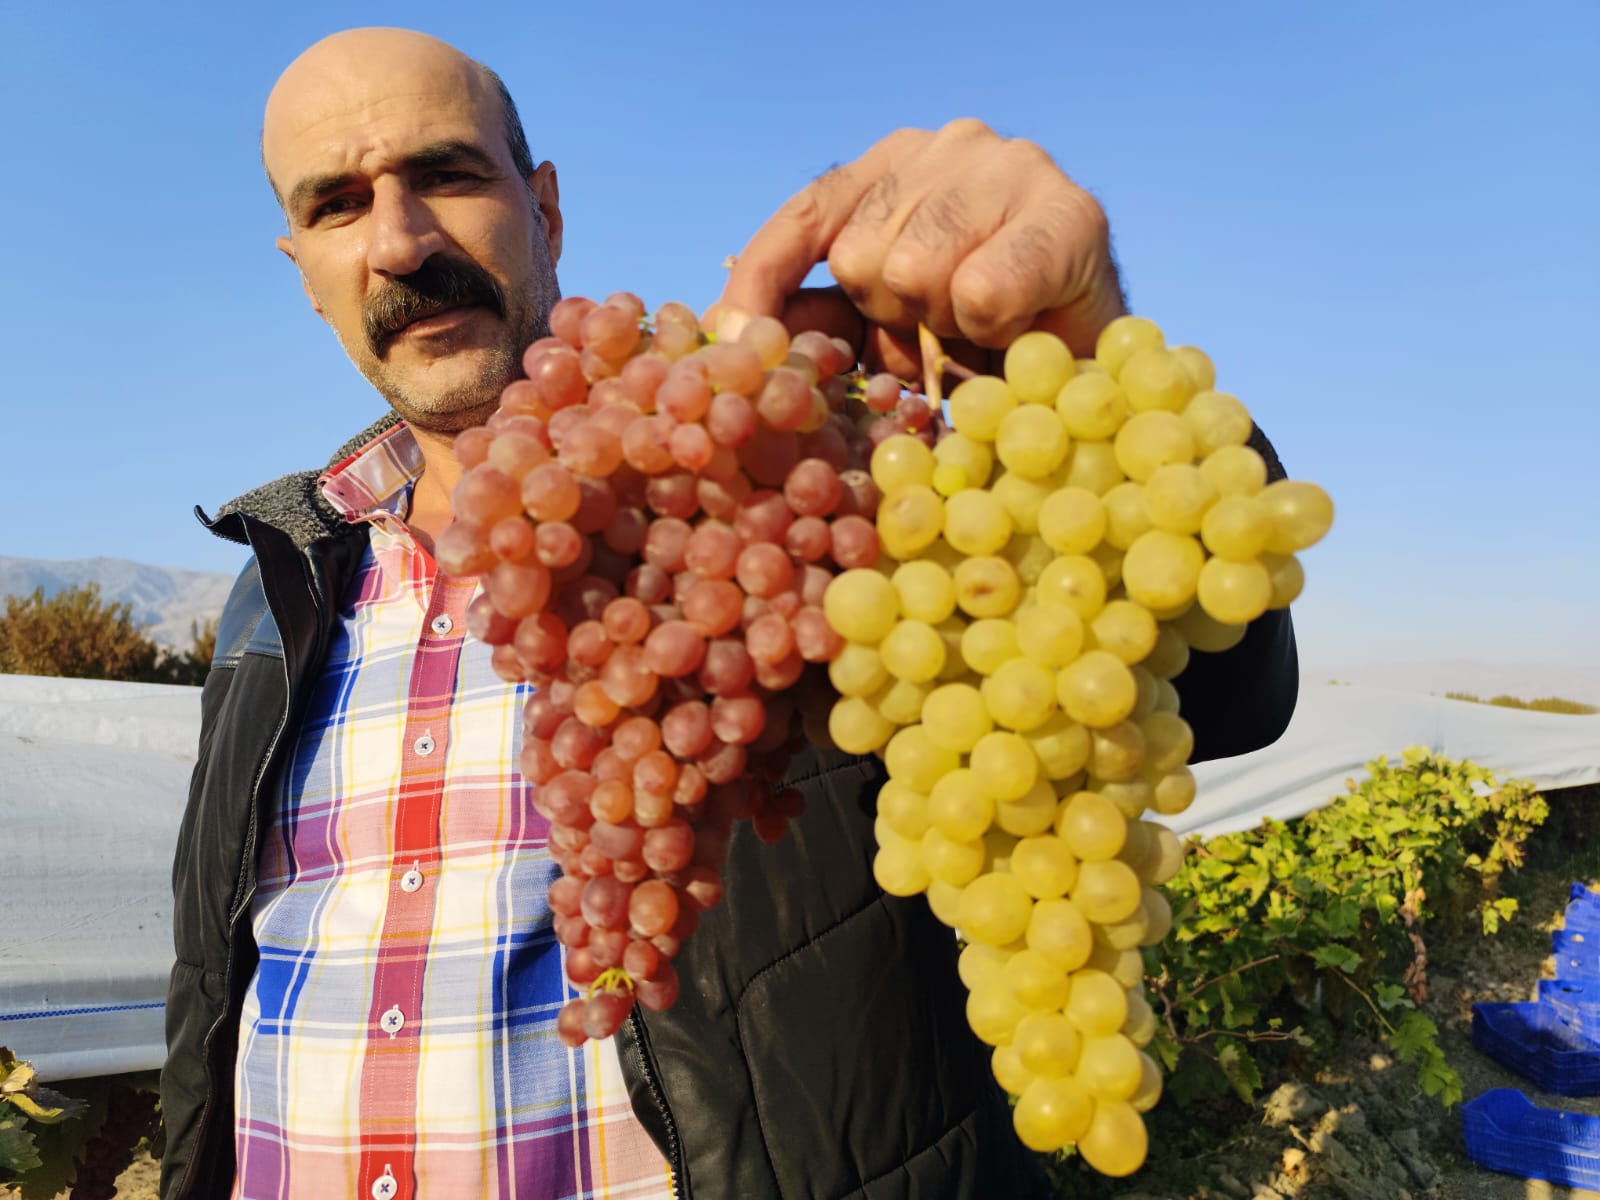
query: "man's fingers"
828, 310
1052, 258
799, 235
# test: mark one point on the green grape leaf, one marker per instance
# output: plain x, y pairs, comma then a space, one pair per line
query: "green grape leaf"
18, 1153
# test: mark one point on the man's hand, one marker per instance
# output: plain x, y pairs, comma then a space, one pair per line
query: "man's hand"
976, 236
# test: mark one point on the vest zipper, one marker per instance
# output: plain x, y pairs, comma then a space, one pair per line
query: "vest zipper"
653, 1081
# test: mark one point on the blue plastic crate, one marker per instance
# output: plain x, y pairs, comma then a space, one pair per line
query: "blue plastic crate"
1583, 908
1533, 1040
1576, 1001
1506, 1132
1577, 953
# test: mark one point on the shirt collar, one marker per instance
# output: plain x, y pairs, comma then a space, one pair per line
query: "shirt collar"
376, 480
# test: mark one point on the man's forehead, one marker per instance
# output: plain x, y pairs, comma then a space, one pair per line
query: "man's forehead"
366, 90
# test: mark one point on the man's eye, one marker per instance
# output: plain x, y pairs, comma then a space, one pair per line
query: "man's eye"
331, 208
447, 178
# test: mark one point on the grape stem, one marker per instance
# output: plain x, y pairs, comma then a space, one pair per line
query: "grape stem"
609, 979
936, 364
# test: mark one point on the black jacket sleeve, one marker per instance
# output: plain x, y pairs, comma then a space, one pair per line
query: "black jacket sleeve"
1241, 699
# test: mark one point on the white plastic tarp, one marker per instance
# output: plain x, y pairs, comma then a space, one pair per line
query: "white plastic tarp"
93, 778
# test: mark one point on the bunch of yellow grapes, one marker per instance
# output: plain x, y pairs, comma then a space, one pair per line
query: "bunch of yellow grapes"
1045, 570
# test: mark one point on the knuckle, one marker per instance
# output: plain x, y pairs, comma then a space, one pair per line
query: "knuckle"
906, 273
851, 261
1031, 155
966, 128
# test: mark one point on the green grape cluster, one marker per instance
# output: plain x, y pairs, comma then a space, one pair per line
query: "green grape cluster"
1045, 569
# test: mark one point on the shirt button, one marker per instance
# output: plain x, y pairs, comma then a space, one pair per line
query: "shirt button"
393, 1021
442, 624
384, 1186
423, 745
411, 880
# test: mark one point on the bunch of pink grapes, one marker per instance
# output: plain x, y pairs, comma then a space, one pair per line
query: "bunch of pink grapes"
654, 514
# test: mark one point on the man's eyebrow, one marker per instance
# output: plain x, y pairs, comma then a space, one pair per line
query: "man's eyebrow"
314, 188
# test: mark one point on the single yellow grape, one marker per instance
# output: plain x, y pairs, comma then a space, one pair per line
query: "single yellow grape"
1072, 520
1052, 1113
1166, 696
1037, 366
954, 863
1216, 419
1075, 581
1173, 792
1161, 570
1145, 704
1097, 690
913, 651
900, 700
948, 480
1044, 866
1031, 441
1108, 1067
857, 670
1149, 440
1177, 497
1301, 514
861, 605
955, 715
1158, 917
1092, 466
1140, 1027
1097, 1004
944, 901
1005, 764
1035, 980
1235, 593
1091, 827
995, 909
1168, 741
926, 590
1034, 813
1046, 1043
1022, 498
1155, 379
905, 811
980, 965
1092, 406
1119, 341
1130, 796
1116, 752
959, 808
1167, 860
1169, 656
993, 1012
1126, 935
1204, 632
1006, 1063
1061, 933
1116, 1141
1126, 630
1061, 744
1125, 966
1050, 635
855, 726
1288, 578
1126, 517
917, 760
973, 459
978, 405
1149, 1090
1236, 527
1235, 471
901, 461
976, 523
987, 644
1198, 365
987, 587
1106, 891
1020, 694
910, 520
898, 868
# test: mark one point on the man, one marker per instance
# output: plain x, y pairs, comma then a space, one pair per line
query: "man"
366, 984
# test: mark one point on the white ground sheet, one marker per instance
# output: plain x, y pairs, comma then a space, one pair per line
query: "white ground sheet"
93, 778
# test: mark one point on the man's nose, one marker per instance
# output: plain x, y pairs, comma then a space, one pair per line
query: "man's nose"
404, 233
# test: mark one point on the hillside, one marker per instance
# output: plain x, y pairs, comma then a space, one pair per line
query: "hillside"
164, 599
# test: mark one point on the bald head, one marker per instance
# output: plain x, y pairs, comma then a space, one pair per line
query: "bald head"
341, 62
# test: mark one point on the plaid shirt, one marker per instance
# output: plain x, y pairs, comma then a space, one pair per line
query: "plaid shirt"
398, 1038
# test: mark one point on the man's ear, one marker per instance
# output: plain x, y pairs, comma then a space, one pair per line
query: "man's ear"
287, 247
547, 195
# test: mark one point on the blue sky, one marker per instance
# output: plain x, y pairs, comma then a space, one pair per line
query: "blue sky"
1379, 219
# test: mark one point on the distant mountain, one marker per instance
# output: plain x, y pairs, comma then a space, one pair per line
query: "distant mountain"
163, 599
